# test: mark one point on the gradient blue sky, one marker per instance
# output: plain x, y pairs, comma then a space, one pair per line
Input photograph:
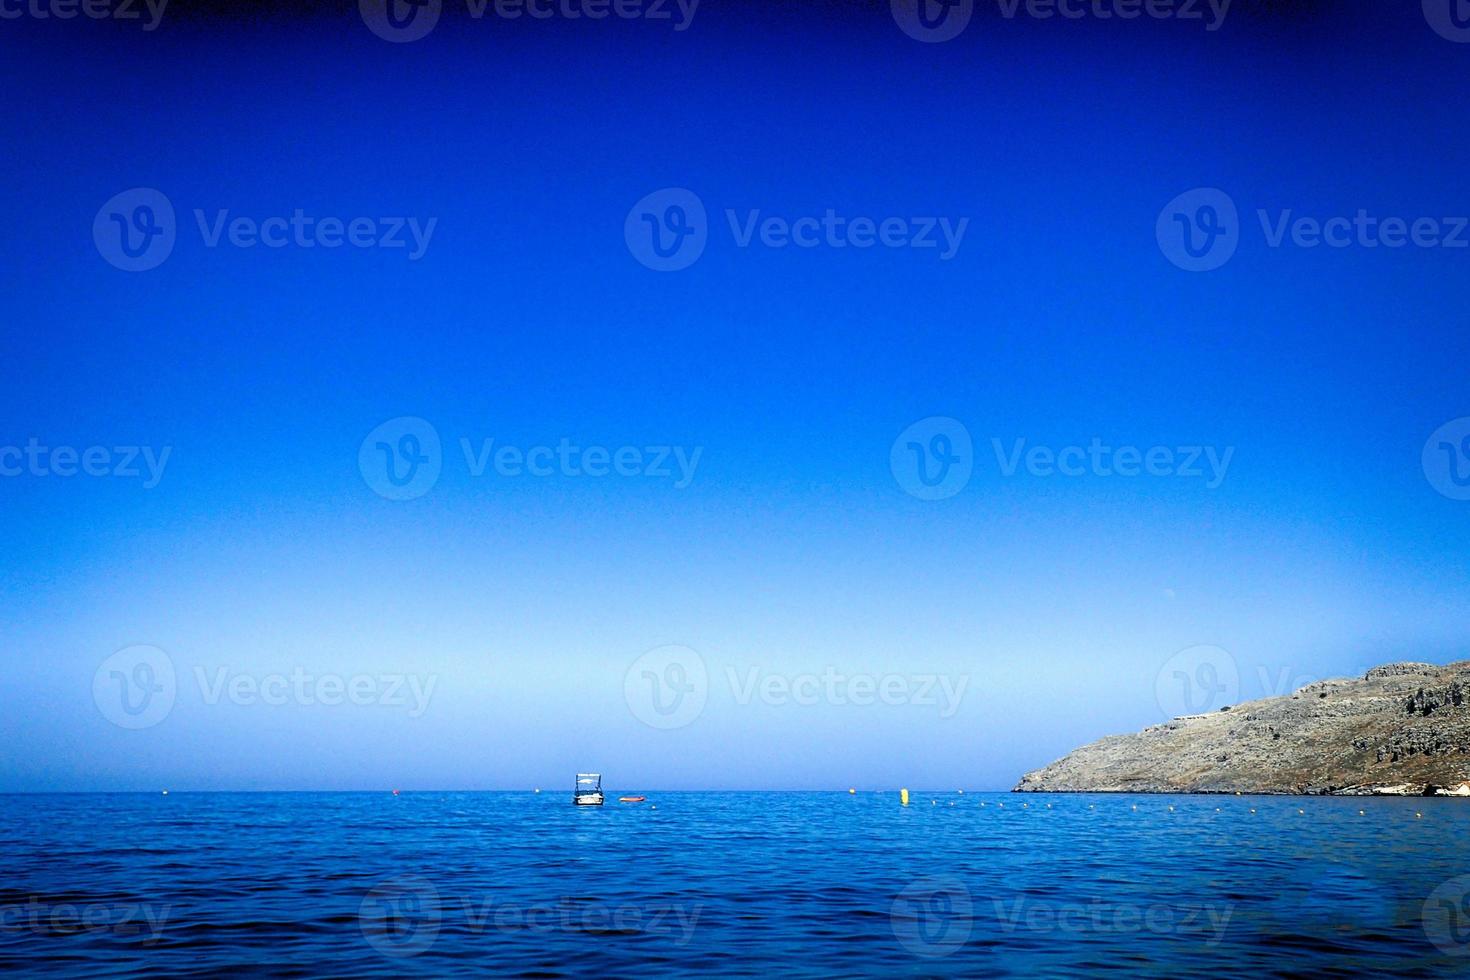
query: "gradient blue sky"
263, 549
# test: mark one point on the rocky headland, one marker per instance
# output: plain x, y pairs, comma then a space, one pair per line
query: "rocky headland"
1403, 729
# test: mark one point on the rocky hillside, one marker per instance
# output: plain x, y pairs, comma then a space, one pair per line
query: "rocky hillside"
1402, 729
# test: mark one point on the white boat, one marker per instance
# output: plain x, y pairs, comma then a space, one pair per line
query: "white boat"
589, 789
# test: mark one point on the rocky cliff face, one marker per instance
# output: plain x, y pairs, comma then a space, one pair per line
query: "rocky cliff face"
1402, 729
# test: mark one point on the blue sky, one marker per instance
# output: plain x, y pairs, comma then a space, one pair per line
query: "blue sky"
1052, 603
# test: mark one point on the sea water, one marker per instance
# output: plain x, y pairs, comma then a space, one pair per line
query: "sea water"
735, 884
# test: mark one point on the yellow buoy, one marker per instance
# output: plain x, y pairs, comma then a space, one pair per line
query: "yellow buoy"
851, 791
903, 797
1418, 816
